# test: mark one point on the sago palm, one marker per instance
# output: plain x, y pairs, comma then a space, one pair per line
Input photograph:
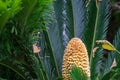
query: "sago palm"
57, 22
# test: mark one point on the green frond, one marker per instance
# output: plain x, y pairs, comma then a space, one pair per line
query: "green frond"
90, 25
116, 43
69, 27
11, 66
50, 52
59, 6
114, 72
78, 74
51, 44
75, 18
16, 37
96, 27
8, 9
80, 16
104, 17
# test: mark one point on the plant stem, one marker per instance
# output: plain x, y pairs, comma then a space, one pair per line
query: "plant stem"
74, 20
117, 51
94, 36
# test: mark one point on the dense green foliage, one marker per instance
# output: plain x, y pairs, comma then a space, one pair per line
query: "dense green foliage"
19, 20
57, 22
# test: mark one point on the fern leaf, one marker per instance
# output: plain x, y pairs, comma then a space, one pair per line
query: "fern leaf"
97, 24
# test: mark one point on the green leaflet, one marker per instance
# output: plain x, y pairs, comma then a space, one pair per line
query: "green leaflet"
78, 74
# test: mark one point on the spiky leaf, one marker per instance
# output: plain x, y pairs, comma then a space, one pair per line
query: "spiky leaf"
78, 74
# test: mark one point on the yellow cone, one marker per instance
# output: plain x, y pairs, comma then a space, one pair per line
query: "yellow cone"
75, 54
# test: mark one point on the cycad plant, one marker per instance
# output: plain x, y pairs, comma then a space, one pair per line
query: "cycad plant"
20, 20
51, 25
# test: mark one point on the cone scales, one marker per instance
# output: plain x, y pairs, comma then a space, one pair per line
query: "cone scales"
75, 54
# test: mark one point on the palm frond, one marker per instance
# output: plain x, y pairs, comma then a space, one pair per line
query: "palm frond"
57, 36
16, 42
59, 9
75, 18
90, 25
104, 17
113, 73
79, 13
69, 27
51, 42
27, 10
7, 10
98, 19
11, 66
78, 74
116, 43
